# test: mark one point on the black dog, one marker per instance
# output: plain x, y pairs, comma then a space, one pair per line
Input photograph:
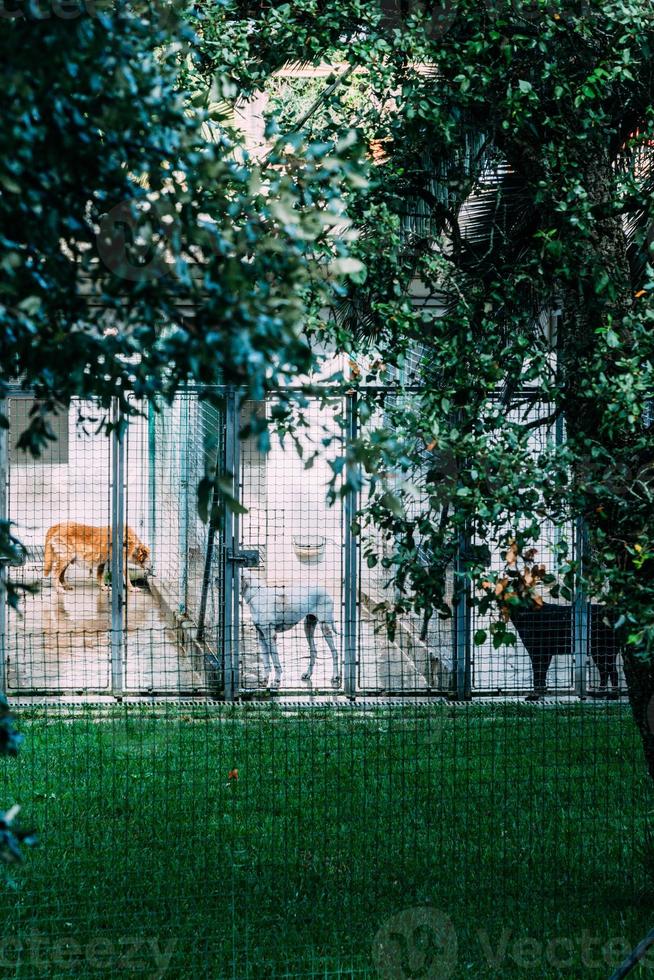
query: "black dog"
546, 632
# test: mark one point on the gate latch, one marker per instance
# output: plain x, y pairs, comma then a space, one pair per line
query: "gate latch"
248, 559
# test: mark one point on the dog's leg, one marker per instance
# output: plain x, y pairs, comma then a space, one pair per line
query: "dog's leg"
615, 680
268, 635
128, 584
612, 666
99, 574
540, 663
310, 624
263, 644
60, 571
611, 669
272, 646
269, 651
328, 632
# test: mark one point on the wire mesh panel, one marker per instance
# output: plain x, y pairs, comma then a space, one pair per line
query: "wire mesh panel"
291, 628
563, 643
183, 444
419, 657
543, 656
59, 503
387, 839
161, 634
151, 661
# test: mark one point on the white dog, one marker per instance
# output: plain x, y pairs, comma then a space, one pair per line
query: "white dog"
277, 608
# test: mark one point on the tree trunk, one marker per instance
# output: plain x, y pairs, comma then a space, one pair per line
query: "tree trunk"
584, 415
640, 683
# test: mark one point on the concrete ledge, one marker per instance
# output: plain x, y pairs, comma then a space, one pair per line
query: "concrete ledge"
206, 663
436, 675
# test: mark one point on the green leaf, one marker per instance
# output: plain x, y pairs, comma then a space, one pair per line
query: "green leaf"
348, 266
10, 184
392, 503
30, 305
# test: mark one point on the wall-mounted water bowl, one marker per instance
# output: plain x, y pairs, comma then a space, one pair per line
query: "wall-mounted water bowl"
309, 548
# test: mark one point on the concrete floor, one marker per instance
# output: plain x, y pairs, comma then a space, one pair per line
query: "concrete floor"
382, 666
63, 643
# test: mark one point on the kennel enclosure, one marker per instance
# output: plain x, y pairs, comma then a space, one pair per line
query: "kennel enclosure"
184, 629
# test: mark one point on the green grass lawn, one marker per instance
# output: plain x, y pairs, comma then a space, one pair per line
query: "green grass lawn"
525, 826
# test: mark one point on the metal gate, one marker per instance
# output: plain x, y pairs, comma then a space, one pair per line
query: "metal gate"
63, 640
288, 553
289, 543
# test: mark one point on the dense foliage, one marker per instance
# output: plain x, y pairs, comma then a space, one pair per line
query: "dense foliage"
513, 184
139, 246
12, 835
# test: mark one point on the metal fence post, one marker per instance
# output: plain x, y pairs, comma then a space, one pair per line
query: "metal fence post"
231, 607
4, 475
351, 545
184, 493
117, 550
462, 627
152, 475
580, 614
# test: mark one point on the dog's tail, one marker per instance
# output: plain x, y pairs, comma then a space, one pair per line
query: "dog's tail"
48, 557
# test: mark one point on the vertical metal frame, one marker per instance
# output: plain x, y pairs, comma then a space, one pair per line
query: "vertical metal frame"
580, 611
185, 490
230, 549
152, 477
117, 551
351, 548
4, 477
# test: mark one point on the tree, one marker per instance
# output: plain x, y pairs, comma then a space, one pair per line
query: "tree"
140, 247
520, 132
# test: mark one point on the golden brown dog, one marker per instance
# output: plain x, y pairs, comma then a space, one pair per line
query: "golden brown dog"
69, 542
